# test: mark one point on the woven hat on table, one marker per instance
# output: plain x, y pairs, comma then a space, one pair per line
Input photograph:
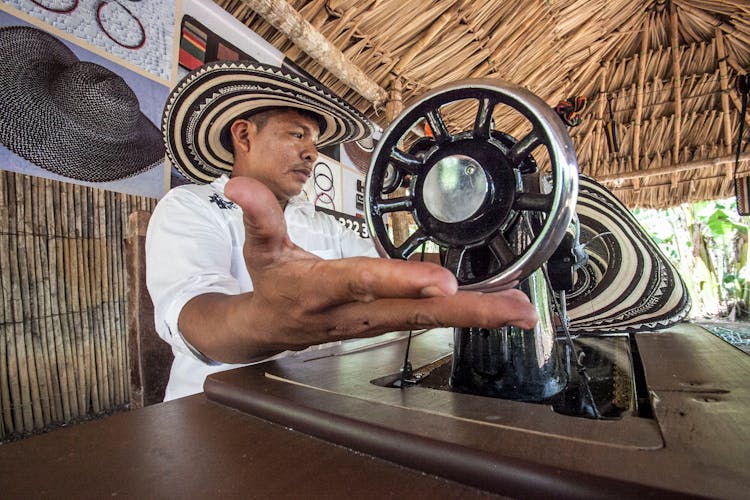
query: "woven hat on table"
204, 104
73, 118
628, 284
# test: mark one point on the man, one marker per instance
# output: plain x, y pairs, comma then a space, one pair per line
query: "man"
236, 267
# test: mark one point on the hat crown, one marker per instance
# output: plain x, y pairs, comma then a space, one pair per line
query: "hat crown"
94, 97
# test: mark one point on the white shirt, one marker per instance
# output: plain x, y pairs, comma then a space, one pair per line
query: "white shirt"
194, 246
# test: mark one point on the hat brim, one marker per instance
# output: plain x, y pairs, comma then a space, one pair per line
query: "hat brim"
628, 284
206, 101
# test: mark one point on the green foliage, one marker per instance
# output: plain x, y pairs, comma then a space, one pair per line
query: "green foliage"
708, 243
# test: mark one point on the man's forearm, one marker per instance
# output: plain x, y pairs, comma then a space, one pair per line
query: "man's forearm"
218, 325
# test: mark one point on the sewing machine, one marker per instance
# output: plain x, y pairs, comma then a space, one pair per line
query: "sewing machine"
611, 394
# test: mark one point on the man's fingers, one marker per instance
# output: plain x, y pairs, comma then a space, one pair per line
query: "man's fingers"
464, 309
366, 279
265, 228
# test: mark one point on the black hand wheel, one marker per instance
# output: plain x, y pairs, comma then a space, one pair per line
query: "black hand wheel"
466, 190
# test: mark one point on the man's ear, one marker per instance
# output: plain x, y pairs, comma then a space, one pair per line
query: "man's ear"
242, 132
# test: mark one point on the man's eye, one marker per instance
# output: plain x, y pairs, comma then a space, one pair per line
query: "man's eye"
298, 135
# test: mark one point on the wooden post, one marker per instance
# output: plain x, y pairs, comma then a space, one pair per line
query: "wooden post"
150, 357
399, 220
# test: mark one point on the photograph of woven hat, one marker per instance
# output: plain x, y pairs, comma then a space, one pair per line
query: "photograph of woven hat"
359, 154
70, 117
628, 284
204, 104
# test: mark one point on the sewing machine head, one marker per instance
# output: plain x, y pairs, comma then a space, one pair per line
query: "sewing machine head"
499, 208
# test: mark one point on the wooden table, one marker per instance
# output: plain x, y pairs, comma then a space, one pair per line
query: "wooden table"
352, 438
192, 448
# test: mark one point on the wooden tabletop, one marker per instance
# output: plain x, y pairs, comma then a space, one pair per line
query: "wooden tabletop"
314, 426
696, 444
192, 448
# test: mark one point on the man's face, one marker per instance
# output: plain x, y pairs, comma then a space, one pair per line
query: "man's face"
281, 154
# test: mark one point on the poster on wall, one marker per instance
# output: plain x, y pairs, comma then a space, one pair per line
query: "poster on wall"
82, 89
84, 83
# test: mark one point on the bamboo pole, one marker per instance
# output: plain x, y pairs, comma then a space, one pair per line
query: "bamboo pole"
6, 413
284, 18
118, 280
723, 82
53, 211
108, 283
690, 182
601, 105
672, 169
115, 264
94, 369
83, 333
98, 303
28, 290
677, 79
37, 326
72, 307
636, 153
99, 299
19, 385
46, 319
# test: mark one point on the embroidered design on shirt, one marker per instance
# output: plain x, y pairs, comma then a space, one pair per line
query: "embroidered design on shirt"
221, 202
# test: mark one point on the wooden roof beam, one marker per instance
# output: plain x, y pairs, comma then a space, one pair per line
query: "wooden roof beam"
288, 21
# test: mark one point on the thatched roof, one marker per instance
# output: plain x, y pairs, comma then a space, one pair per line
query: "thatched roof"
626, 52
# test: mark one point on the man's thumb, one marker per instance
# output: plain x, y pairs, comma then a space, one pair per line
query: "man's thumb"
265, 228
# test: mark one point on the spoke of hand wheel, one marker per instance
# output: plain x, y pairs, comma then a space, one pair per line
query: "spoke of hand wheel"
533, 201
439, 129
405, 162
501, 249
452, 259
483, 120
411, 244
523, 148
400, 204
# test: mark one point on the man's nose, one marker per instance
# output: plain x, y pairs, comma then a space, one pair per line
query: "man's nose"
310, 153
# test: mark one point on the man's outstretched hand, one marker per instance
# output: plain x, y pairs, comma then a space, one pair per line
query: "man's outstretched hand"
301, 300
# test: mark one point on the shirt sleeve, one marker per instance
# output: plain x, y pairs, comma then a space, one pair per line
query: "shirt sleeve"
188, 253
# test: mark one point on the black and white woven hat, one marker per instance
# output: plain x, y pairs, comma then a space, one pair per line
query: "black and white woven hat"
73, 118
206, 101
628, 284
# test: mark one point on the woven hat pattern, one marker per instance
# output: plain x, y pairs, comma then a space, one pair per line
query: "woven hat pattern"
208, 99
628, 284
73, 118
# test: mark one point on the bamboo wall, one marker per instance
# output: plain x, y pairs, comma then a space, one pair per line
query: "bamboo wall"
63, 345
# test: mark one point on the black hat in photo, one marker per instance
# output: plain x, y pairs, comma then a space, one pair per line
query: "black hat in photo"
628, 284
204, 104
70, 117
